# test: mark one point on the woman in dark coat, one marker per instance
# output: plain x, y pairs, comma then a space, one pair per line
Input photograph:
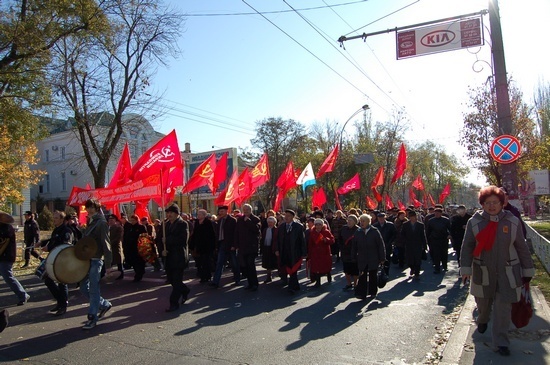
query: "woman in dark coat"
269, 246
414, 237
132, 230
202, 243
318, 252
368, 250
350, 266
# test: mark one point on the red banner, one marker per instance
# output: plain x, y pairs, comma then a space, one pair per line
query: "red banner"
417, 183
319, 198
164, 155
145, 189
352, 184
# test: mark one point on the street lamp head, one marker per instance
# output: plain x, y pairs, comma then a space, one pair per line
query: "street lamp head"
365, 107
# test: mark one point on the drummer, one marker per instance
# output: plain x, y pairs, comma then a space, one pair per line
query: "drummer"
61, 235
98, 230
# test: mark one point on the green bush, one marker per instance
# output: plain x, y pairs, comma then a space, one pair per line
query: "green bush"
45, 219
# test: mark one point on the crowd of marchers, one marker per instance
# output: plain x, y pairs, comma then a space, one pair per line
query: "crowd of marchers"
367, 243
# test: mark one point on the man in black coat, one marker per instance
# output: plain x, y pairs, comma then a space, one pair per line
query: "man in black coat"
176, 253
438, 235
225, 236
388, 232
8, 249
291, 249
414, 238
458, 228
31, 236
247, 243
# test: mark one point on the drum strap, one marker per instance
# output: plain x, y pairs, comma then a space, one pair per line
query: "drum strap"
4, 243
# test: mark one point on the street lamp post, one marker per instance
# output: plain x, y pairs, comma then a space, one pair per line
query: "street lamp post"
363, 109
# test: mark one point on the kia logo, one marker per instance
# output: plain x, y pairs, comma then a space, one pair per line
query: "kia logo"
438, 38
407, 44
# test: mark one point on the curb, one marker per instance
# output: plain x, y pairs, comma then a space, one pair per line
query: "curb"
455, 345
453, 352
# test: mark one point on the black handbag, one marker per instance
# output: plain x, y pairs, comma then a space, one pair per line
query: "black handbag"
382, 279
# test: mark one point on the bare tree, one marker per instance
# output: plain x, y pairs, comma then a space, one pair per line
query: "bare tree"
100, 78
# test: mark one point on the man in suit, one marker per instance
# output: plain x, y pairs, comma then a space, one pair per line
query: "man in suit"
388, 232
176, 253
247, 243
291, 249
225, 235
414, 238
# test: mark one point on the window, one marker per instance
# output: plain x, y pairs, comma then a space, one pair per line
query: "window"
63, 155
47, 179
63, 180
47, 156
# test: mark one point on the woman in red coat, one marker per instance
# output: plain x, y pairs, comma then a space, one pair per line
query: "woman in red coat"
318, 252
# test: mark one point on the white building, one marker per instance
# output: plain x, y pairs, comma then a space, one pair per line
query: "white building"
62, 156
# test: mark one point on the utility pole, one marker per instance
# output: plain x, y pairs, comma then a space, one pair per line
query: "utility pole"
504, 117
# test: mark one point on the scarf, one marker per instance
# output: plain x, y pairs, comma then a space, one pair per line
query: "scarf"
486, 238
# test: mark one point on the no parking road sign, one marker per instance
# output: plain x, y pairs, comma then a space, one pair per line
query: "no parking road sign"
505, 149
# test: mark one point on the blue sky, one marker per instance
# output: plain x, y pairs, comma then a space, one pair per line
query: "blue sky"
236, 70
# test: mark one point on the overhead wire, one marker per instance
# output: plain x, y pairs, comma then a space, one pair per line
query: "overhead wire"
307, 50
317, 29
276, 11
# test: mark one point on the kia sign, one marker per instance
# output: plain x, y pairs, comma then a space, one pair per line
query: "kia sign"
440, 38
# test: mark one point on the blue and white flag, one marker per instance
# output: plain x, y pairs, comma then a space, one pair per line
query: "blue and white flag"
307, 177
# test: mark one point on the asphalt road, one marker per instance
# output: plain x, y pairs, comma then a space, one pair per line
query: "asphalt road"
407, 323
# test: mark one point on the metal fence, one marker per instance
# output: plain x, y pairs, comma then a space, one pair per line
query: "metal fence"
541, 246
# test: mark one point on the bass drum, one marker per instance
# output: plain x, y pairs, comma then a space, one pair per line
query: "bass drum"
63, 266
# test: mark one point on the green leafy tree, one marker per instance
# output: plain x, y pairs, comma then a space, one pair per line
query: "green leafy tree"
28, 31
102, 77
481, 128
45, 219
282, 139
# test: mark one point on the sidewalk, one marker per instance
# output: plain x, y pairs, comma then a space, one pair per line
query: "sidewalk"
529, 345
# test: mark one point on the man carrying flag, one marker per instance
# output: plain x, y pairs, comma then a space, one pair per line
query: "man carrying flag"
291, 250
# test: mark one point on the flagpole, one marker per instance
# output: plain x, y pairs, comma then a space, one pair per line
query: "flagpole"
163, 216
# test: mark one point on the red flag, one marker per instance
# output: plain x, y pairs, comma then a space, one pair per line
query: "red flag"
376, 194
401, 206
278, 200
329, 163
203, 175
378, 179
400, 165
123, 172
319, 198
232, 192
337, 198
417, 183
352, 184
431, 200
412, 198
141, 209
389, 203
164, 155
445, 193
260, 173
171, 179
371, 204
245, 188
220, 172
286, 175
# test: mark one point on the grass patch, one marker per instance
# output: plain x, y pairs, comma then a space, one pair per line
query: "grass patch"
542, 278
